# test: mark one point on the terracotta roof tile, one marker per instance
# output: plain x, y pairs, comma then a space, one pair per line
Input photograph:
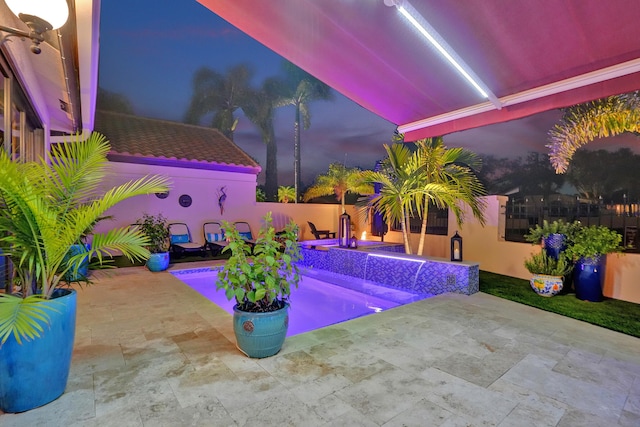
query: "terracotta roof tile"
148, 139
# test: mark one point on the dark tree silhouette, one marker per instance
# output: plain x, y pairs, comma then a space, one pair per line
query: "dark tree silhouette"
301, 89
220, 95
259, 108
112, 101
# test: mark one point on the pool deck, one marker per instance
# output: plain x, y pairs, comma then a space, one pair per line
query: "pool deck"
150, 351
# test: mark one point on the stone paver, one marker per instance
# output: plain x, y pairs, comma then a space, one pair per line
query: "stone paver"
150, 351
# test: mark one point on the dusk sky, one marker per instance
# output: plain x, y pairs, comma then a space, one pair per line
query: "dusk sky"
150, 50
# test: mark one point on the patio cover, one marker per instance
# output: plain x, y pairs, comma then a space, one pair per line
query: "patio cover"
532, 55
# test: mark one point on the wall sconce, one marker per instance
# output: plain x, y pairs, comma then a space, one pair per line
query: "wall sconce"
456, 247
40, 16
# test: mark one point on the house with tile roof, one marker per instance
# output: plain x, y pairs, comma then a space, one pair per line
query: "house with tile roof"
212, 178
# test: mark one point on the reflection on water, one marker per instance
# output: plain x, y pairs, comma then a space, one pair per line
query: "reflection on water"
316, 303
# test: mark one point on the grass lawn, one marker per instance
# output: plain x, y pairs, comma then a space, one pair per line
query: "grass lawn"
621, 316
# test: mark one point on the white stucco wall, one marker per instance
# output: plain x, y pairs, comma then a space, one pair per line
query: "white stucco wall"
201, 185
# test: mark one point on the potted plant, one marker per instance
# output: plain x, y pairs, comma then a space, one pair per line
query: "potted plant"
588, 249
45, 209
553, 236
156, 228
260, 278
548, 272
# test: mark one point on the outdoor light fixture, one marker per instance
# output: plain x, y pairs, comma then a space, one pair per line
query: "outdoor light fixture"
40, 16
456, 247
429, 33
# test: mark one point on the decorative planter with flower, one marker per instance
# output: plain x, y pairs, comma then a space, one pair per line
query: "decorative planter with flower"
588, 249
260, 278
548, 273
553, 236
46, 209
156, 228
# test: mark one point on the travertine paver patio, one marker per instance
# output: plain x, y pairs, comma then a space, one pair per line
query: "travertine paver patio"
152, 352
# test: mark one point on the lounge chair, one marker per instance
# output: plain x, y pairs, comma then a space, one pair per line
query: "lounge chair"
244, 229
214, 237
321, 234
180, 239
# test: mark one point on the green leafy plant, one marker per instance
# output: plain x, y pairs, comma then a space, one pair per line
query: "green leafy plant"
286, 194
537, 233
260, 278
541, 263
593, 241
45, 209
156, 228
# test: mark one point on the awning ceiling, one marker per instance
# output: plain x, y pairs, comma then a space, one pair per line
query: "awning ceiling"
533, 55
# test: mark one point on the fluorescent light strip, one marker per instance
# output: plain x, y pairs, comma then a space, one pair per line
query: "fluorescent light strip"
396, 257
593, 77
442, 50
445, 50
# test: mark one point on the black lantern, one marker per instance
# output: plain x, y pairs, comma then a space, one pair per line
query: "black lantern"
344, 230
354, 242
456, 247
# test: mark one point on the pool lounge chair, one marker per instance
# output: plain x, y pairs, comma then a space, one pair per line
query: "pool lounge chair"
244, 229
180, 239
214, 237
321, 234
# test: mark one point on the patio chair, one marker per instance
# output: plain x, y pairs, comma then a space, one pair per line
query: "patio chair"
214, 237
180, 239
321, 234
244, 229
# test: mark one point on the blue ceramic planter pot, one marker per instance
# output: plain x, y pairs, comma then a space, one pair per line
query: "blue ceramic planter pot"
35, 372
83, 270
554, 244
588, 278
158, 262
260, 335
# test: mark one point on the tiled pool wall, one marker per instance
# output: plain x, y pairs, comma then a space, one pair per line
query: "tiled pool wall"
388, 266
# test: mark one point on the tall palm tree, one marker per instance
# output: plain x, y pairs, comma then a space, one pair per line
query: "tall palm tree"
338, 180
301, 89
447, 179
259, 108
219, 94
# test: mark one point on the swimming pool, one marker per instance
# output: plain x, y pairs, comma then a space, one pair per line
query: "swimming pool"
322, 298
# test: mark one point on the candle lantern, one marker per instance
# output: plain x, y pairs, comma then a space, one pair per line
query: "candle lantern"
456, 247
354, 242
344, 231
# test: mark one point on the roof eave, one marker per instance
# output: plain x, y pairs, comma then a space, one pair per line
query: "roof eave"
182, 163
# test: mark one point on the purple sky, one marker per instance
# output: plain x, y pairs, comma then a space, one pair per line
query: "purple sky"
149, 51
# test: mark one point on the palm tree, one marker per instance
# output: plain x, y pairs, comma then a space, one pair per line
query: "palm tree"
338, 180
399, 177
259, 109
219, 94
447, 179
286, 194
431, 174
47, 208
301, 89
583, 123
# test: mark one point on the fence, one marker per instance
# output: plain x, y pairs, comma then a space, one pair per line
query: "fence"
522, 214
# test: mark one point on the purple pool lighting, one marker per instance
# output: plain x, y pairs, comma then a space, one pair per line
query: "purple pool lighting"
315, 304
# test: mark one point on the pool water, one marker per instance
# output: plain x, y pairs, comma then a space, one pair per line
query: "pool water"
316, 303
